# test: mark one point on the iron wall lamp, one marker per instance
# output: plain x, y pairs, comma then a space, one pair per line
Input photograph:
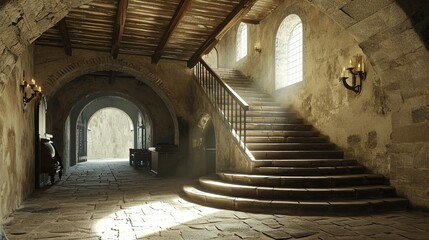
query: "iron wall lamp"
31, 89
258, 47
356, 68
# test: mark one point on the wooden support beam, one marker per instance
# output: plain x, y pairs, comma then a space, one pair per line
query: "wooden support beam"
118, 29
181, 9
250, 21
236, 15
62, 25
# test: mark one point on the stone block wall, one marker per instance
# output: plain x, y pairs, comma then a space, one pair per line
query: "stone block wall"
386, 126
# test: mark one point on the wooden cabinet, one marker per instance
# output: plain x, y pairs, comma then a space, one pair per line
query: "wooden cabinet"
164, 159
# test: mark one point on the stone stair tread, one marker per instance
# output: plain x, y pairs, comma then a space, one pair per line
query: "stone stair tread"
303, 162
294, 151
365, 175
217, 181
306, 168
290, 146
283, 139
297, 207
310, 170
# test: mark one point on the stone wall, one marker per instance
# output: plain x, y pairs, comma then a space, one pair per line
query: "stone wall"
16, 137
386, 127
111, 134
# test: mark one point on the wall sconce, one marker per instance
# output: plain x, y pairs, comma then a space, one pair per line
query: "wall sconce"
357, 69
258, 47
31, 88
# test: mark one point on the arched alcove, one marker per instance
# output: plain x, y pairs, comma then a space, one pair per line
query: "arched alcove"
209, 143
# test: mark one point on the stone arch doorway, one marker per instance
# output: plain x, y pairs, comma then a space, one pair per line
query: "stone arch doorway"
76, 127
56, 81
110, 134
209, 144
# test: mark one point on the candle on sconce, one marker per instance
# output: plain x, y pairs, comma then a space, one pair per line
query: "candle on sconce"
343, 72
40, 89
33, 82
351, 64
359, 69
363, 65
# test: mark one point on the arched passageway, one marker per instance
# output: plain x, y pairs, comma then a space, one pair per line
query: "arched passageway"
87, 94
110, 134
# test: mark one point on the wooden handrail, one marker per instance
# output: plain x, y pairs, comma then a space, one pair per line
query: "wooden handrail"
232, 108
237, 97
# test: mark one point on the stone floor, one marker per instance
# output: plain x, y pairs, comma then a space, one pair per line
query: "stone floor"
111, 200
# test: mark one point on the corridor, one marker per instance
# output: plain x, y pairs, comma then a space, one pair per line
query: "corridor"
108, 199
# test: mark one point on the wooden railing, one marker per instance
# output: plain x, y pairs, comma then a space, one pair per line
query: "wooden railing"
230, 105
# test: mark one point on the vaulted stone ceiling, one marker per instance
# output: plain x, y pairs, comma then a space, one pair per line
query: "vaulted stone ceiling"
174, 29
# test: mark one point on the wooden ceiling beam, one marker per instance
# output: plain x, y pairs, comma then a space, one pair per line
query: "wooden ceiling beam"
236, 15
62, 25
178, 14
250, 21
118, 29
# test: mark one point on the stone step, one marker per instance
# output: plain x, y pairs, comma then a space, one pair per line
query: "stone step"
269, 108
282, 133
284, 120
255, 99
279, 126
237, 81
280, 139
309, 171
328, 181
249, 94
290, 146
248, 89
310, 207
307, 139
214, 185
254, 113
297, 154
304, 162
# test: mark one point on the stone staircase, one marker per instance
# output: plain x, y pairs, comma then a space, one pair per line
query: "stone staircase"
296, 169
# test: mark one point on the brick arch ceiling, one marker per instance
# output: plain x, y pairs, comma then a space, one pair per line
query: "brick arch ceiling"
140, 72
21, 22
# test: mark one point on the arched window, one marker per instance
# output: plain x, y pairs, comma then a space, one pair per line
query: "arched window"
288, 55
241, 41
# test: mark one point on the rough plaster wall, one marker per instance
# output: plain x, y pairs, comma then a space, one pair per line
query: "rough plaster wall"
111, 134
386, 127
16, 138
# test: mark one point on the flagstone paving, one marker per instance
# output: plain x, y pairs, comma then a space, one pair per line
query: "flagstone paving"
108, 199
